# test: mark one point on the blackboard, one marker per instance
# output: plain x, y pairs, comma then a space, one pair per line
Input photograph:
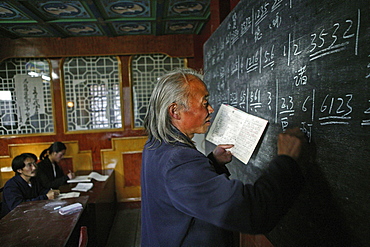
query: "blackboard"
306, 64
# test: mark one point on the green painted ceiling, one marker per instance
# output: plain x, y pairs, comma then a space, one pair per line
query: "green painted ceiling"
34, 18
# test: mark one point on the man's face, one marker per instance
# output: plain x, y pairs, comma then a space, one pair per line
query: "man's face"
29, 170
195, 119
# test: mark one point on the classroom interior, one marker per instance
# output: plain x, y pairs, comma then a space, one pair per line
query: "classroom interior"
92, 90
118, 62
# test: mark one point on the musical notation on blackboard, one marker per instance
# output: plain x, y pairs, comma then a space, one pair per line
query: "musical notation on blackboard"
326, 108
302, 63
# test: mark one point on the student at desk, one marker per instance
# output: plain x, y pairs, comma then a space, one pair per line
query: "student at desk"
50, 173
24, 186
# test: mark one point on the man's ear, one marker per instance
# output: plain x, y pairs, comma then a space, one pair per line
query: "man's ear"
173, 109
19, 171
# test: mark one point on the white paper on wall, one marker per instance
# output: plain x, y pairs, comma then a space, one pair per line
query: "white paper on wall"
29, 96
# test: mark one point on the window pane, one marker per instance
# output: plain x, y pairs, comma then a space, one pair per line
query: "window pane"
145, 72
92, 93
25, 97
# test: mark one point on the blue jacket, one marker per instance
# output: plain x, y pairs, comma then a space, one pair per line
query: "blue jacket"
187, 200
16, 191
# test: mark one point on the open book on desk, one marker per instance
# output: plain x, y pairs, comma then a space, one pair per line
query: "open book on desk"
87, 178
233, 126
67, 195
83, 187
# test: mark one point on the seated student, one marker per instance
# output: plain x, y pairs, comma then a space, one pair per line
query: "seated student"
50, 173
24, 186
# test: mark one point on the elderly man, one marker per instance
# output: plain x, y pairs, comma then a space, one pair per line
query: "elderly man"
187, 198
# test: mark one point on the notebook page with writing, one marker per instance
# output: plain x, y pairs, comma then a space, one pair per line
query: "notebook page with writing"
233, 126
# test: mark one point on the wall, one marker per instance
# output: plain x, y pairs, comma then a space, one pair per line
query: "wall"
331, 207
102, 149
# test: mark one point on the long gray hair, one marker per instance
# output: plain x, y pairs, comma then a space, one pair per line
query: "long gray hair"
170, 88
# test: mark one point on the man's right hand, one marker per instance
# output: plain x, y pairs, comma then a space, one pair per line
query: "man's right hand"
222, 155
290, 143
52, 194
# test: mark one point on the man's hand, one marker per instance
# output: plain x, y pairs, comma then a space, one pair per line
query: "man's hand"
52, 194
290, 143
71, 175
221, 154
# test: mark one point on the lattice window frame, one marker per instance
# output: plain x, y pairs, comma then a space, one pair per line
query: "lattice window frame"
26, 113
88, 104
145, 70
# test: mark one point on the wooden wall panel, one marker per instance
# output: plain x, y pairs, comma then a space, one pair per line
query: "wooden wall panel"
260, 240
67, 165
74, 158
96, 149
132, 168
125, 150
173, 45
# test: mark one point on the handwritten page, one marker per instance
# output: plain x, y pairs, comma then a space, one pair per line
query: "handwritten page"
233, 126
79, 179
87, 178
98, 176
68, 195
83, 187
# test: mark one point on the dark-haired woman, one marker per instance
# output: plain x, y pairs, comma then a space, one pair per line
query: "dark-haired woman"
24, 186
49, 172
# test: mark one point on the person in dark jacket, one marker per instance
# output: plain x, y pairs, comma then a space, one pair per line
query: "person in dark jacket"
49, 172
24, 186
188, 198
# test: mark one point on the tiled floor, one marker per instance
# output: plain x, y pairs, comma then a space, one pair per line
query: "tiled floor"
125, 231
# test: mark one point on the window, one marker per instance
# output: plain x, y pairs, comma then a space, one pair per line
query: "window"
92, 93
25, 97
146, 69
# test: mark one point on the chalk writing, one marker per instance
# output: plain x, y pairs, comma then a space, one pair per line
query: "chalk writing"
260, 13
301, 78
325, 42
299, 52
293, 49
246, 25
242, 100
286, 111
309, 99
252, 62
233, 35
276, 22
306, 128
269, 58
367, 112
269, 98
276, 5
338, 109
367, 76
301, 64
234, 99
255, 100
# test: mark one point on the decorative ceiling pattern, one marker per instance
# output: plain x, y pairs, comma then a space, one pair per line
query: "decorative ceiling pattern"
41, 18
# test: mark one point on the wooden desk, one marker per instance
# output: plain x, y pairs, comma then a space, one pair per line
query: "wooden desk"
101, 207
36, 223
